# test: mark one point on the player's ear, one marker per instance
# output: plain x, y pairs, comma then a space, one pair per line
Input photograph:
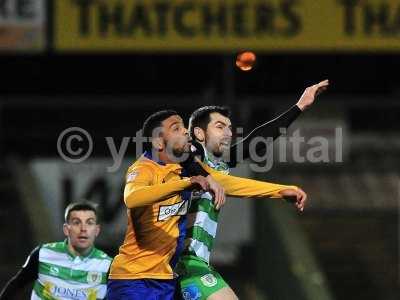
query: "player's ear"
97, 229
65, 229
199, 134
157, 143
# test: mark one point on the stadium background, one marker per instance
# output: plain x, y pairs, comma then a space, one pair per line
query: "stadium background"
105, 65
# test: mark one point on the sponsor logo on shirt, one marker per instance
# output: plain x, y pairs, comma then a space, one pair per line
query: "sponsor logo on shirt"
191, 292
52, 291
209, 280
167, 211
54, 271
131, 176
47, 289
94, 277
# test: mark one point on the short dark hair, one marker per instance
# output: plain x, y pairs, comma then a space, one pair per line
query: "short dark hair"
80, 206
154, 121
201, 117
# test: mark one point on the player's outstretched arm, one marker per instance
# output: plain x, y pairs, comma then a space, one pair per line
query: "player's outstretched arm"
271, 129
296, 196
249, 188
27, 274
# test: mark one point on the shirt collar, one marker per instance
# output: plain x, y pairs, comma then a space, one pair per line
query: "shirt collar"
218, 165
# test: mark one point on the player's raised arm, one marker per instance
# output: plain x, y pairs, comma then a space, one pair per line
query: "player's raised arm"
310, 93
271, 129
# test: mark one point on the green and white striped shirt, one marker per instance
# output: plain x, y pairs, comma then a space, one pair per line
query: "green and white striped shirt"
65, 276
202, 219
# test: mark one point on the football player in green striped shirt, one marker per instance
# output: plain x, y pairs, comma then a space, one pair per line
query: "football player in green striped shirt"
72, 269
211, 128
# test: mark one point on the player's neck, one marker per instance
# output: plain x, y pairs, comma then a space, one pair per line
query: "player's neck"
165, 158
79, 252
210, 155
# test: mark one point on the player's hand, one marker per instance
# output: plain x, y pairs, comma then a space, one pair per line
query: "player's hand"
201, 181
297, 196
310, 93
218, 191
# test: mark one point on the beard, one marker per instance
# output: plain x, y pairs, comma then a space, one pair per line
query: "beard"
178, 152
180, 155
176, 147
218, 149
217, 152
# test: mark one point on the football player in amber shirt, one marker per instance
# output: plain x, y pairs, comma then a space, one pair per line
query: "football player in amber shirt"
156, 210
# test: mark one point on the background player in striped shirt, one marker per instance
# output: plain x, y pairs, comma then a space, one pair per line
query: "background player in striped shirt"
212, 128
72, 269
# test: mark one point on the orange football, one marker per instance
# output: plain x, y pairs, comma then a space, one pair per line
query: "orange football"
245, 60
